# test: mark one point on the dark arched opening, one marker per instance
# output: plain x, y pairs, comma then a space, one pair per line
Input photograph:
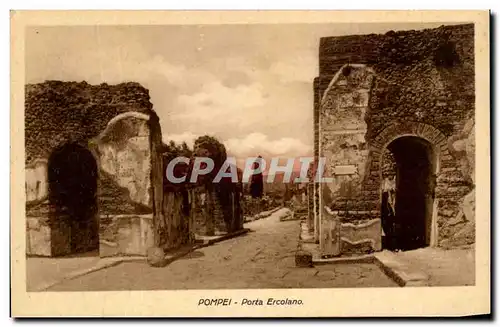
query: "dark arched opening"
407, 204
72, 175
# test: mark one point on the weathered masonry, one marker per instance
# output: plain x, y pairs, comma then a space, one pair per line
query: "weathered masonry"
94, 173
394, 116
95, 180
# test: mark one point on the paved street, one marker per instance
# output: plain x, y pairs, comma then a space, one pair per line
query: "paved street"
263, 258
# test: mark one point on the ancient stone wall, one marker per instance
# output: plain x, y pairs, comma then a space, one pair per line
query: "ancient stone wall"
343, 128
113, 123
213, 214
175, 228
420, 83
316, 193
58, 113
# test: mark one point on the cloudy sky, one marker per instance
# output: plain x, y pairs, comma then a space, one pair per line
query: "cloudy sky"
248, 85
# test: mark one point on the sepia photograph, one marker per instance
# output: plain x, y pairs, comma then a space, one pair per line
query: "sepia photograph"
328, 155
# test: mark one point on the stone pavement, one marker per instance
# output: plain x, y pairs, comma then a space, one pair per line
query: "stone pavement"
422, 267
262, 258
42, 273
431, 266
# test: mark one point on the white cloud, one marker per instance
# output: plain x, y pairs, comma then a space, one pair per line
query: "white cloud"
256, 143
196, 95
243, 65
216, 102
176, 75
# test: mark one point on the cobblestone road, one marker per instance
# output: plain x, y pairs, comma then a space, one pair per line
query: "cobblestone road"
263, 258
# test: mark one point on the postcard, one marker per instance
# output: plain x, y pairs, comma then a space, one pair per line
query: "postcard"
250, 163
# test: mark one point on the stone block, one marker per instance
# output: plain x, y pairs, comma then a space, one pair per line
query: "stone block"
156, 257
359, 247
303, 259
400, 270
125, 157
36, 180
369, 232
126, 235
330, 237
51, 123
38, 237
61, 238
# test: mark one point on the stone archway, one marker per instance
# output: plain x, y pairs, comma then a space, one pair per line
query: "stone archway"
418, 149
72, 187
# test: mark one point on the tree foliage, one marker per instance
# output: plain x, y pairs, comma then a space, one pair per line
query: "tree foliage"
171, 151
209, 146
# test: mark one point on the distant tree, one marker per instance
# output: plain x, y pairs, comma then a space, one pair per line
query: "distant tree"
175, 192
257, 183
209, 146
185, 150
171, 151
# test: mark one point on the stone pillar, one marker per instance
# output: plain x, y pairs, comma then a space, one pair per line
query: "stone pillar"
342, 130
310, 207
330, 244
123, 152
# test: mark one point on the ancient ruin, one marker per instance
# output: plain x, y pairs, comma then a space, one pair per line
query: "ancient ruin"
95, 174
394, 116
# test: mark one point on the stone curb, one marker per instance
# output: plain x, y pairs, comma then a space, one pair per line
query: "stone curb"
222, 238
116, 261
399, 272
256, 217
364, 258
206, 243
293, 217
402, 274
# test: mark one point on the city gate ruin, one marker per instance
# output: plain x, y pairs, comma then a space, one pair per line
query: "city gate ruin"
394, 117
94, 174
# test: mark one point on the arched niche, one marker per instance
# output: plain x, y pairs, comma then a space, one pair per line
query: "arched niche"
72, 192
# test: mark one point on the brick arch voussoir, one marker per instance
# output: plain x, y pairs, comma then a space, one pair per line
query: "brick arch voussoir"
394, 131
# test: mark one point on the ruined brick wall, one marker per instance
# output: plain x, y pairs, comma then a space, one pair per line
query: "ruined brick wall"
216, 214
58, 113
113, 122
176, 218
423, 85
424, 75
317, 85
388, 165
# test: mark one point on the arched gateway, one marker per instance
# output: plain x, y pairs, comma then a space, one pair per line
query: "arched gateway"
408, 211
375, 100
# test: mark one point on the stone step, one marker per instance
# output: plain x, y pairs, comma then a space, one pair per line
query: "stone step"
400, 270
